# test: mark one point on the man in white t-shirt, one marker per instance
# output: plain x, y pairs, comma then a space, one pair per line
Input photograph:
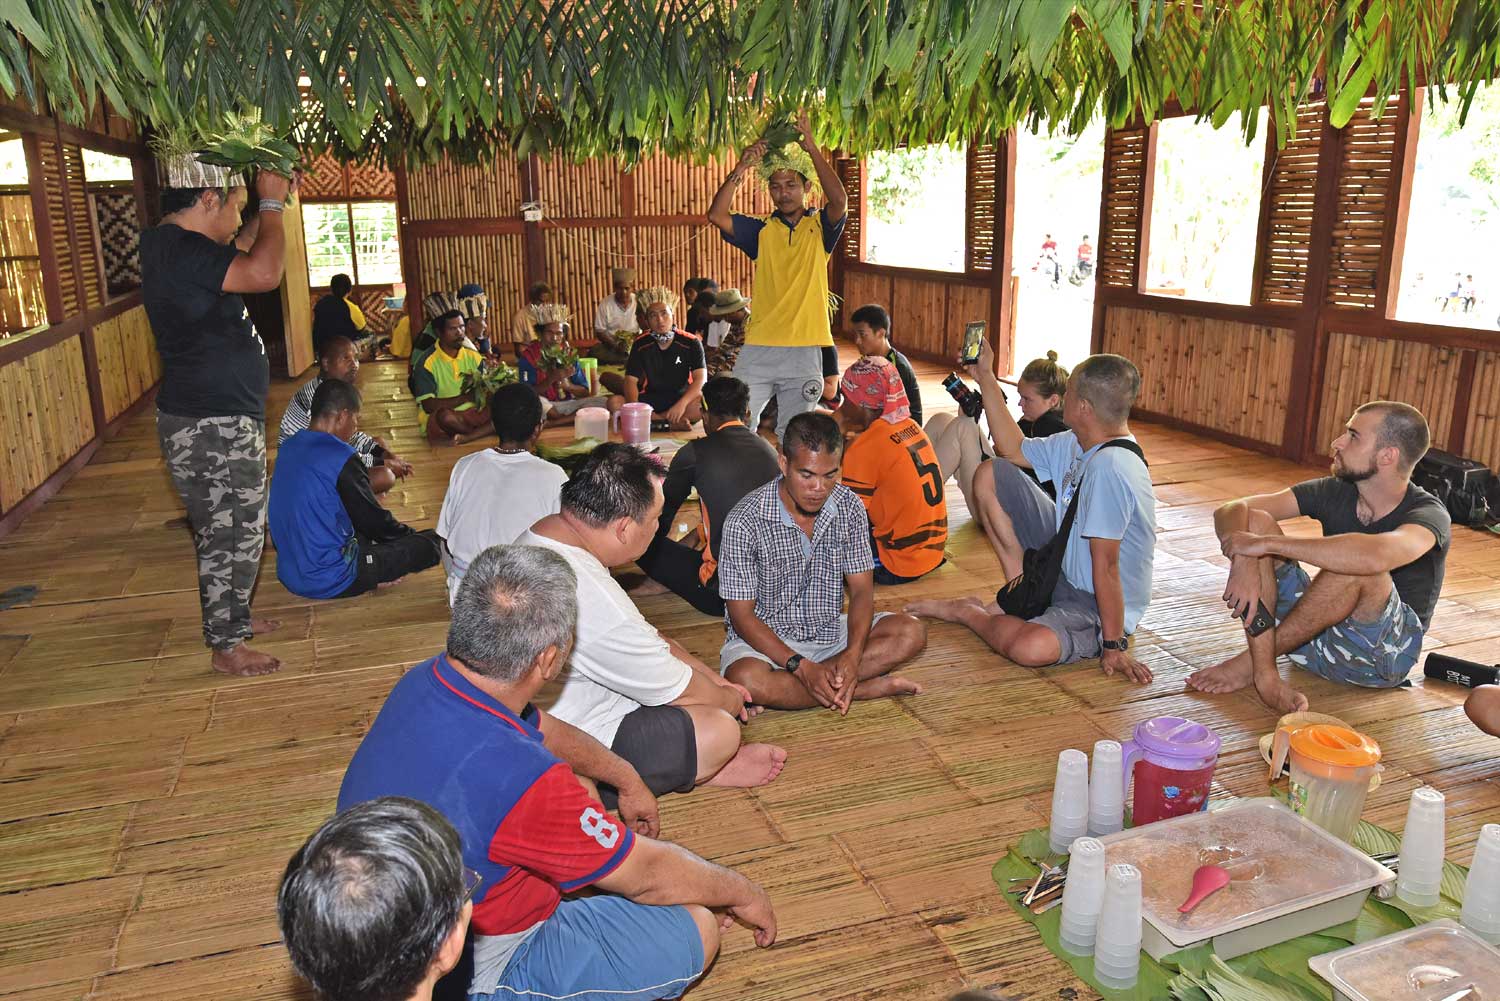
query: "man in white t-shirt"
616, 312
629, 687
495, 495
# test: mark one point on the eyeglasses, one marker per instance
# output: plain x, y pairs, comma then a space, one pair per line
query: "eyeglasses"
472, 880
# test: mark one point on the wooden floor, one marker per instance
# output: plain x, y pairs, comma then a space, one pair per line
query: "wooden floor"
147, 807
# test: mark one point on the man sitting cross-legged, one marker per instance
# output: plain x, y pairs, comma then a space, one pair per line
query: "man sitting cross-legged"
498, 493
444, 412
545, 367
788, 551
628, 686
667, 366
376, 903
1382, 555
460, 732
723, 466
1105, 583
890, 464
333, 539
338, 359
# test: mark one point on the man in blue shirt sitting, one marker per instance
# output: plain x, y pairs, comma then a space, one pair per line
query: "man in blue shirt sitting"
333, 539
1105, 582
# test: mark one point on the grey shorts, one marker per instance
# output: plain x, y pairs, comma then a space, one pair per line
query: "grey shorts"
1073, 615
793, 377
737, 649
660, 742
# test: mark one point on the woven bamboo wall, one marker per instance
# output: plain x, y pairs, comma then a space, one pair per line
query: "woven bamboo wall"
982, 179
1482, 436
1366, 196
1359, 369
85, 246
1291, 190
1221, 374
446, 190
1121, 223
26, 306
45, 417
128, 362
495, 262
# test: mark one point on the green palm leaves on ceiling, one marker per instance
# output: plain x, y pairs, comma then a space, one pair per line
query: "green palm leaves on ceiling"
628, 77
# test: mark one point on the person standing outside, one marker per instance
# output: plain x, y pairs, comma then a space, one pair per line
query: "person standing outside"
791, 248
211, 409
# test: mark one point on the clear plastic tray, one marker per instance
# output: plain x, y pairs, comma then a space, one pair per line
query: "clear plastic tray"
1288, 877
1430, 962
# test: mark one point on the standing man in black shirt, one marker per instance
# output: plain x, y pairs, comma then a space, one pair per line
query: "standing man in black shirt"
1381, 559
667, 367
211, 410
724, 466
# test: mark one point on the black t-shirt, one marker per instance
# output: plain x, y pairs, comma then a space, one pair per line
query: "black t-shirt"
724, 465
213, 361
1048, 424
331, 318
664, 374
1332, 503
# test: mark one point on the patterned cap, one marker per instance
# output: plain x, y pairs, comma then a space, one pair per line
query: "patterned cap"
875, 384
474, 305
438, 303
189, 172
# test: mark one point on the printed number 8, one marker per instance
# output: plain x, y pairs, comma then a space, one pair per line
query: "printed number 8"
599, 827
932, 485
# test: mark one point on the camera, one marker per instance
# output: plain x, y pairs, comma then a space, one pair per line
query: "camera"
970, 402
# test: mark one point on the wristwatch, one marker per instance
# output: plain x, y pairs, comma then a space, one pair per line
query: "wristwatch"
792, 663
1122, 644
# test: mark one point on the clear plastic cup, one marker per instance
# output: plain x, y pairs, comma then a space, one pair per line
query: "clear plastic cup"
1117, 942
1481, 911
1083, 896
1419, 876
1106, 789
1070, 800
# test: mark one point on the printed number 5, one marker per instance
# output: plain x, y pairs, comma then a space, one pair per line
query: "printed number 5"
599, 827
932, 485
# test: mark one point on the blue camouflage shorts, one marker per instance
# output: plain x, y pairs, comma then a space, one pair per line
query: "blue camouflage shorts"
1378, 654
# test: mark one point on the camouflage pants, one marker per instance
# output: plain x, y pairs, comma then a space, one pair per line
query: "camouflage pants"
218, 465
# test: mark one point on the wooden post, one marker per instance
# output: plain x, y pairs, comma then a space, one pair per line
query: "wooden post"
534, 240
90, 350
410, 262
1002, 289
1148, 191
1393, 247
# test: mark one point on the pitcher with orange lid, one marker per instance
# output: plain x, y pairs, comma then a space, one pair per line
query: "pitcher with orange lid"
1331, 769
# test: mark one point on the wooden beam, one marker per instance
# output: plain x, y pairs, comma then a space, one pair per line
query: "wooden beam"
410, 271
1463, 394
1002, 302
1148, 192
1393, 247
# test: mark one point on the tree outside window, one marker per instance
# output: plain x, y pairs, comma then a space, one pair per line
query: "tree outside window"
914, 207
358, 239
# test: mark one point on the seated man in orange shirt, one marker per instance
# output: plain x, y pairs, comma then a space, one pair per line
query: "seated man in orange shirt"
893, 468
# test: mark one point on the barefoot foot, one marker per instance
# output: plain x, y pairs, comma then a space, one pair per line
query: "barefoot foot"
259, 625
389, 583
243, 662
752, 765
1280, 696
1229, 676
646, 587
880, 688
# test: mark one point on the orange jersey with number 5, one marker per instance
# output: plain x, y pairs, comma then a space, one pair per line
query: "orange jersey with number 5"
894, 470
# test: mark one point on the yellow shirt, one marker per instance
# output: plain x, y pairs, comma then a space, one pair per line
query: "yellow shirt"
441, 377
791, 278
401, 337
357, 315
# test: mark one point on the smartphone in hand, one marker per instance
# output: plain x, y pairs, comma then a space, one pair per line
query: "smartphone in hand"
973, 338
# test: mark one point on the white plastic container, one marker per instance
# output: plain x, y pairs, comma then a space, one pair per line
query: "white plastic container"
1288, 877
591, 422
1430, 962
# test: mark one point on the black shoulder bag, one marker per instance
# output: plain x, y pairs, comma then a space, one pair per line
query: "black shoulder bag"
1029, 593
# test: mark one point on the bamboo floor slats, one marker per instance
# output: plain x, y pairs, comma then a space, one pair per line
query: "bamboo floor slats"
147, 807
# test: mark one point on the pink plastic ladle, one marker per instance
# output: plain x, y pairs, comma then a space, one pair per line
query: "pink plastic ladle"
1208, 879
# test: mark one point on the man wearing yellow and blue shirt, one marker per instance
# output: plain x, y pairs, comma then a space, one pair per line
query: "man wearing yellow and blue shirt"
791, 247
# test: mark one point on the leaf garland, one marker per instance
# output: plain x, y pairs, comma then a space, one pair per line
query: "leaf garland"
477, 79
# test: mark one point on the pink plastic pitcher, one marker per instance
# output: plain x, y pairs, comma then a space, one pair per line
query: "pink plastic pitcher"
1172, 760
633, 421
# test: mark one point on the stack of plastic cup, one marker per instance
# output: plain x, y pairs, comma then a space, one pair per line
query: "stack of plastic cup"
1481, 913
1419, 876
1083, 897
1070, 800
1106, 789
1117, 941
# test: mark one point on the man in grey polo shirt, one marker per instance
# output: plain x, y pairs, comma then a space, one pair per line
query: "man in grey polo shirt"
788, 551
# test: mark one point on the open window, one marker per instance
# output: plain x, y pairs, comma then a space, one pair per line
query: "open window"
914, 208
358, 239
109, 184
23, 303
1205, 209
1449, 272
